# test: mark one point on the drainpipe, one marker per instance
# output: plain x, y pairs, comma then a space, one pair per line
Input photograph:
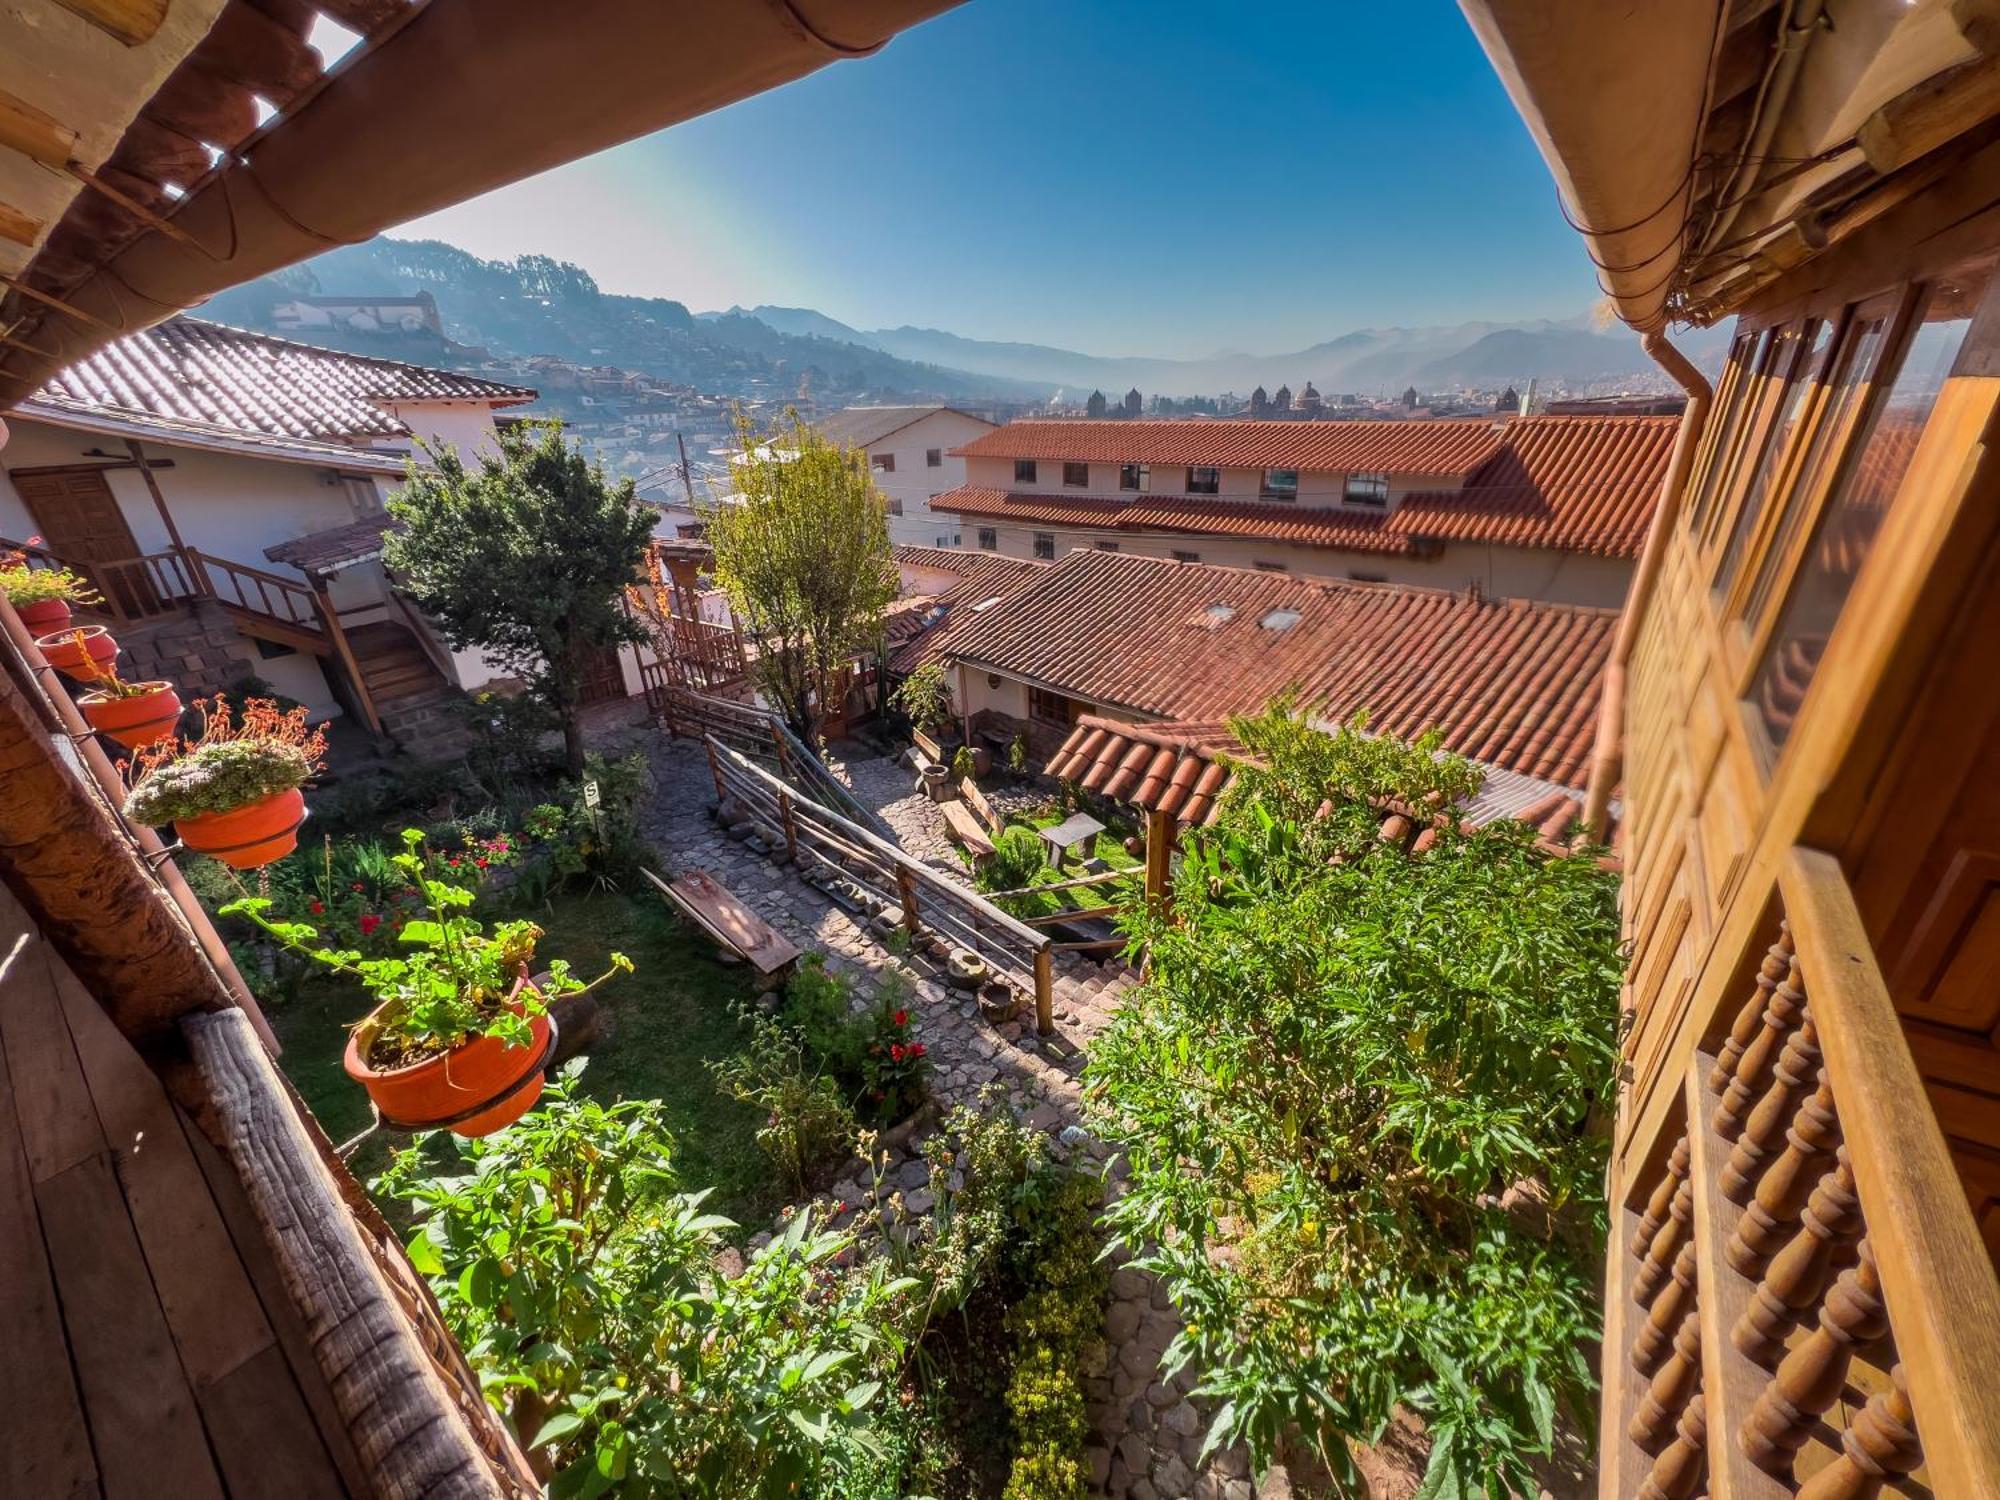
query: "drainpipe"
1608, 760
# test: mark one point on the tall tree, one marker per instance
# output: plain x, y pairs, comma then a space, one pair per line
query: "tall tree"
524, 557
803, 553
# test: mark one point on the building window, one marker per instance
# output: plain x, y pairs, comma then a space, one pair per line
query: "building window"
885, 463
895, 506
1271, 567
1045, 545
1054, 708
989, 539
1204, 481
933, 458
1180, 556
1024, 471
1369, 577
1077, 476
1107, 546
1367, 489
1280, 484
1134, 477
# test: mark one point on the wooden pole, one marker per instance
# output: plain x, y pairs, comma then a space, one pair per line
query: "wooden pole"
715, 770
1160, 830
153, 488
344, 653
1045, 985
906, 884
791, 826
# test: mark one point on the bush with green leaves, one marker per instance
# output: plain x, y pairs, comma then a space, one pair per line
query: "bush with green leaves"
587, 1292
807, 1124
1016, 862
1356, 1096
924, 697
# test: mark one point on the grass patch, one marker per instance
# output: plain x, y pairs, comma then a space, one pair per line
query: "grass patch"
665, 1023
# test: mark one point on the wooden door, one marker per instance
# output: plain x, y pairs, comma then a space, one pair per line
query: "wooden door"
603, 675
80, 522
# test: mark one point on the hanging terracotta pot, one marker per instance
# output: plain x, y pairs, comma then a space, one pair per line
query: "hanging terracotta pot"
136, 720
44, 615
67, 655
249, 836
478, 1087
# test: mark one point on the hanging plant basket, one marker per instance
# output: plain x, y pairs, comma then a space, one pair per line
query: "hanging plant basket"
137, 719
478, 1087
249, 836
68, 655
44, 616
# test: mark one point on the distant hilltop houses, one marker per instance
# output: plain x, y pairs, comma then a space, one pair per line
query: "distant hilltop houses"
1310, 405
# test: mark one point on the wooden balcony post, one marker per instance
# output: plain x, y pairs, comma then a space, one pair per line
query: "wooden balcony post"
323, 602
791, 825
1045, 1001
1160, 828
906, 884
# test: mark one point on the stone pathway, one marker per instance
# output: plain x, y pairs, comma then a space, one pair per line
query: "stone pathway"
1148, 1432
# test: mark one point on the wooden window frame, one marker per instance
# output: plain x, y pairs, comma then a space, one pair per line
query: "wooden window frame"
1025, 471
1045, 539
1757, 401
1139, 477
1081, 483
1213, 486
989, 539
1742, 355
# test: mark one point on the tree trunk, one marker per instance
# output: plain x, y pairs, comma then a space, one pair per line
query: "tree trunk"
572, 732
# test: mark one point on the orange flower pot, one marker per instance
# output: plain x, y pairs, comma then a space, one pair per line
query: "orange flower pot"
474, 1089
45, 615
134, 721
249, 836
65, 655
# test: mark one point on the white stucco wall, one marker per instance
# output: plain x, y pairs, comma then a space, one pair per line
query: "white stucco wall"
1317, 489
914, 482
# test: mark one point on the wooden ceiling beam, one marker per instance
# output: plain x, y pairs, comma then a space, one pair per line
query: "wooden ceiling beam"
1935, 112
17, 226
34, 133
131, 21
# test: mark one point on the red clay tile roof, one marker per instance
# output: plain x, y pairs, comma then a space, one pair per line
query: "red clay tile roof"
186, 370
1424, 446
1303, 526
1581, 484
915, 637
1578, 484
1512, 684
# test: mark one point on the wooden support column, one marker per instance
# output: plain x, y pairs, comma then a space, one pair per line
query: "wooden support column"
906, 885
1160, 831
153, 488
349, 667
715, 770
791, 825
1045, 985
784, 755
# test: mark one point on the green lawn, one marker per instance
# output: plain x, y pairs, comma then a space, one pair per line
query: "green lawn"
664, 1024
1108, 846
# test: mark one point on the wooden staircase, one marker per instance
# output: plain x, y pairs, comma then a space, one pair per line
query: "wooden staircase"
392, 663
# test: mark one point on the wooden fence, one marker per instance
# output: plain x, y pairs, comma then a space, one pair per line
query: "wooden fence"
814, 837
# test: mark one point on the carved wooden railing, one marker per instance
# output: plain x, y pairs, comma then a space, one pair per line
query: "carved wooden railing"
134, 588
1802, 1302
240, 586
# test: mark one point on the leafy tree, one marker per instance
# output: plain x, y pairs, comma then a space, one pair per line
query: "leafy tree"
524, 557
1355, 1095
924, 697
804, 556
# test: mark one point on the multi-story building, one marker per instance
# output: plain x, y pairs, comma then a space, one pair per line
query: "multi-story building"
913, 453
1537, 507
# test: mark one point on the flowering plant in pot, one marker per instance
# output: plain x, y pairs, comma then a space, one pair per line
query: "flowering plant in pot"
458, 1037
42, 596
79, 651
135, 714
232, 791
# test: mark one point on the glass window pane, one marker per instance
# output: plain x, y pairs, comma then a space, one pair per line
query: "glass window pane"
1846, 531
1806, 373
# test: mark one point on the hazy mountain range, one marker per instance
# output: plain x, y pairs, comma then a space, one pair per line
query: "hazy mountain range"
536, 305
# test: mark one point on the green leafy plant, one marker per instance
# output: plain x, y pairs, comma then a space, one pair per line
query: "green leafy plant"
231, 763
807, 1124
586, 1292
454, 981
895, 1067
1017, 755
1017, 861
23, 583
1052, 1326
924, 697
1355, 1096
963, 765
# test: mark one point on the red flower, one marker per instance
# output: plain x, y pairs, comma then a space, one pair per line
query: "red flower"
480, 862
896, 1052
369, 922
359, 886
453, 861
900, 1018
500, 846
317, 908
916, 1049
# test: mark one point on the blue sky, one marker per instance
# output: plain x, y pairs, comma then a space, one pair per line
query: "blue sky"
1117, 176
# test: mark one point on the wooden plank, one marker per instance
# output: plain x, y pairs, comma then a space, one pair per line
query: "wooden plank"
58, 1122
44, 1442
144, 1422
1937, 1278
965, 828
728, 920
263, 1435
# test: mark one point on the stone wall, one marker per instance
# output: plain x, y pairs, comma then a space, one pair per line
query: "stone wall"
198, 649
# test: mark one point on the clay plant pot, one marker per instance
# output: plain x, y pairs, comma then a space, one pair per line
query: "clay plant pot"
63, 652
44, 615
249, 836
475, 1089
134, 721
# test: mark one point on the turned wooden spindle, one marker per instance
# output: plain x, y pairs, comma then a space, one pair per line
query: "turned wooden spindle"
1670, 1390
1663, 1318
1791, 1076
1813, 1375
1662, 1196
1781, 1014
1777, 960
1658, 1260
1879, 1445
1795, 1279
1772, 1216
1682, 1465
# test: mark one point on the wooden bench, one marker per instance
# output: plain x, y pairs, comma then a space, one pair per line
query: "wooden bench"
710, 905
965, 828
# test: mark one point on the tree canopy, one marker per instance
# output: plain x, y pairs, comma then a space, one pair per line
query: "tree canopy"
524, 556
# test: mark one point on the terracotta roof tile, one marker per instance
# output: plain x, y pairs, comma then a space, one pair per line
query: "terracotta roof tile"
187, 370
1512, 684
1438, 446
915, 636
338, 547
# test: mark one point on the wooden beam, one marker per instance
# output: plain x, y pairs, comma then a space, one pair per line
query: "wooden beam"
17, 226
344, 654
1160, 830
1936, 111
153, 488
34, 133
131, 21
37, 295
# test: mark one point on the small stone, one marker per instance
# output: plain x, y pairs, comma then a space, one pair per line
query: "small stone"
1121, 1321
1130, 1284
1173, 1478
1237, 1489
1277, 1484
919, 1201
1183, 1418
1142, 1489
1099, 1460
1159, 1395
1136, 1452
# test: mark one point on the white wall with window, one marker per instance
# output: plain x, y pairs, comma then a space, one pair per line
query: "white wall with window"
914, 463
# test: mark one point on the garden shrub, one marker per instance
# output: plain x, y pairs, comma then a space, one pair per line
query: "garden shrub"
1017, 861
1344, 1061
807, 1124
924, 698
508, 745
1051, 1328
881, 1070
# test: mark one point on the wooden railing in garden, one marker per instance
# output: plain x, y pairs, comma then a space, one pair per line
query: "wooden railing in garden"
1799, 1302
816, 838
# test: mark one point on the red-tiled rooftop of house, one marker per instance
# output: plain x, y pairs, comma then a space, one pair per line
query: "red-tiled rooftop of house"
1512, 684
1302, 526
186, 370
915, 634
1423, 446
1581, 484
